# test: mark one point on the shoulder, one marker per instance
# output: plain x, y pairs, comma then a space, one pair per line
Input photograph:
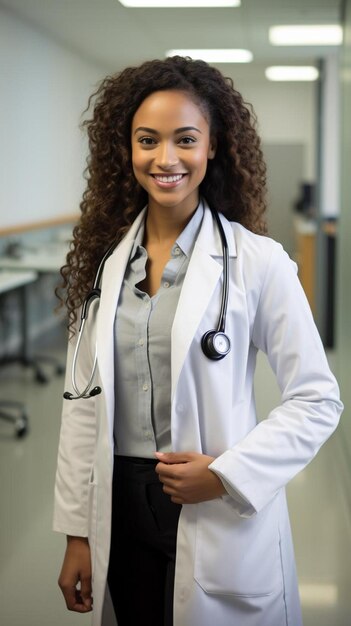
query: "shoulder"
261, 260
258, 248
248, 242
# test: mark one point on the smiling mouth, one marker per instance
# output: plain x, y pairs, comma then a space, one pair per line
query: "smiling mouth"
174, 178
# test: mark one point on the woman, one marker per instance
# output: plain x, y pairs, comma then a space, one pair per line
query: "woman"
167, 485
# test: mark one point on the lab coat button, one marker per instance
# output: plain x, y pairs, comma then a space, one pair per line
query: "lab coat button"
145, 387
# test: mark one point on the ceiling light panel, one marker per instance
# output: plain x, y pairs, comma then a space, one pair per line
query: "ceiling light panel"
291, 73
184, 4
314, 35
215, 56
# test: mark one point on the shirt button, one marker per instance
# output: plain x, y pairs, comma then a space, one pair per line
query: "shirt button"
141, 342
166, 285
145, 387
176, 251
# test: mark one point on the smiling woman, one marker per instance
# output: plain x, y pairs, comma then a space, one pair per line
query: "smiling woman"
173, 156
168, 487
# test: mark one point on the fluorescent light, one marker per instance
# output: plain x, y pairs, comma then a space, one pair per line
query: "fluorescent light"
215, 56
326, 35
289, 72
186, 4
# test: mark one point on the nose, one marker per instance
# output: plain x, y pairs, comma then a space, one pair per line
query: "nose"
167, 155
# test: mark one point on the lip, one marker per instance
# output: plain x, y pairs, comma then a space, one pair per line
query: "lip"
168, 184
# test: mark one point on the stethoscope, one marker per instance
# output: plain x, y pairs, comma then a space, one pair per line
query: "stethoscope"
215, 344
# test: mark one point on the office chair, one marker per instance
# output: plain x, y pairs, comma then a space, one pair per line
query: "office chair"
14, 412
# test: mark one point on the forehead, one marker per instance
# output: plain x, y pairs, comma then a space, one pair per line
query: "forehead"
169, 108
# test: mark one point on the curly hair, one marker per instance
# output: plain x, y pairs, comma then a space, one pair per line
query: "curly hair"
235, 180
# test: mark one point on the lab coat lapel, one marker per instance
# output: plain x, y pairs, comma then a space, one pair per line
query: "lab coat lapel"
110, 289
204, 271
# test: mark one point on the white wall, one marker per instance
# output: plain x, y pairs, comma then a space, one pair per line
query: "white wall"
286, 114
44, 89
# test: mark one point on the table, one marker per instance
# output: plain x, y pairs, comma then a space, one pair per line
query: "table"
46, 258
11, 410
10, 281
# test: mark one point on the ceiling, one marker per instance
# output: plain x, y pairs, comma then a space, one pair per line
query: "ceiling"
112, 36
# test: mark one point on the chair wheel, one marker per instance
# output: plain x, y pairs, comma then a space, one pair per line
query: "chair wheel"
21, 427
41, 378
21, 432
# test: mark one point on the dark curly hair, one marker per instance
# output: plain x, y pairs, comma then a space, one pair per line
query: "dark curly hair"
235, 181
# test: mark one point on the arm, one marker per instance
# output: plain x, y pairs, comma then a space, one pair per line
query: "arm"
284, 443
254, 470
76, 450
74, 466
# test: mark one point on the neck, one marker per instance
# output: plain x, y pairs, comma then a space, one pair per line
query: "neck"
164, 225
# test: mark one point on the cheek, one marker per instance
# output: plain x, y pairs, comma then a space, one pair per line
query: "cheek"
138, 163
201, 161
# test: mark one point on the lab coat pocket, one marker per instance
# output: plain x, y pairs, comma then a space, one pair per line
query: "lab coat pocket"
92, 516
235, 555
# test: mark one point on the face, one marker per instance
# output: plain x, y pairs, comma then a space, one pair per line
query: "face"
171, 145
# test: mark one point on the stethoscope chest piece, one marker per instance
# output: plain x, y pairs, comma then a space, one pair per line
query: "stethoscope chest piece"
215, 345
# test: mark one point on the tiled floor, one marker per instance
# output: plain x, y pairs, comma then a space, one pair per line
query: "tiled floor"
30, 554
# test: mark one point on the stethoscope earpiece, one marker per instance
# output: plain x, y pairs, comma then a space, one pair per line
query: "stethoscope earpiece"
94, 392
215, 345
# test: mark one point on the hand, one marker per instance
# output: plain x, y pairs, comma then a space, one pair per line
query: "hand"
187, 478
76, 569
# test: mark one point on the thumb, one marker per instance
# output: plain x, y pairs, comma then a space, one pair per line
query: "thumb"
175, 457
85, 592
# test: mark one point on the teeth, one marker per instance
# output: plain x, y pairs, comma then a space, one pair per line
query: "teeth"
168, 179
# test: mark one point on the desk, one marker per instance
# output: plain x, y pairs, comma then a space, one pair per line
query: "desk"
14, 280
48, 258
12, 410
10, 281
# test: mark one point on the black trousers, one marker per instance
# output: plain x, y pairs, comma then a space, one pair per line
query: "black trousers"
143, 545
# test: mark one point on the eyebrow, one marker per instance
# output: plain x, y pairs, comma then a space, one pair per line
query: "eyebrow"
184, 129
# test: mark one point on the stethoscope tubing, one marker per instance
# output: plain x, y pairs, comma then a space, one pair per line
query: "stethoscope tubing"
207, 343
85, 392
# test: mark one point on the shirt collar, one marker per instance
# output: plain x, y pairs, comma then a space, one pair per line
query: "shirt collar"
138, 241
186, 239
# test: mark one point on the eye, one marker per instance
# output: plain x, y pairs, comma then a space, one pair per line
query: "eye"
187, 140
147, 141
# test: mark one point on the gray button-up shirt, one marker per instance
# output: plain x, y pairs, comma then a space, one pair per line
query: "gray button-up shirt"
143, 348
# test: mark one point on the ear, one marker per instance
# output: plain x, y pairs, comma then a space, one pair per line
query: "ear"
212, 148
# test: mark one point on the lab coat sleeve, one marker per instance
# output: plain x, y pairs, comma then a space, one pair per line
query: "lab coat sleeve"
76, 449
280, 446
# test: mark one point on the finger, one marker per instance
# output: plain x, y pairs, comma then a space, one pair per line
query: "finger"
80, 606
175, 457
167, 472
73, 598
69, 594
170, 491
86, 591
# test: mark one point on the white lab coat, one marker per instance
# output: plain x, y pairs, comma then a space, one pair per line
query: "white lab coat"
235, 562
